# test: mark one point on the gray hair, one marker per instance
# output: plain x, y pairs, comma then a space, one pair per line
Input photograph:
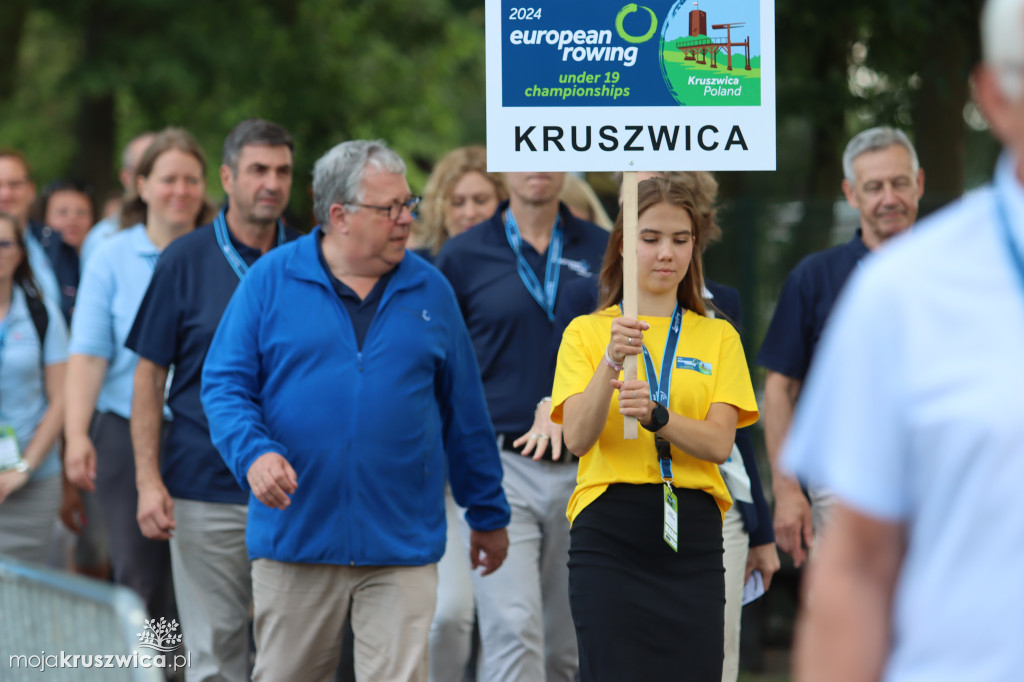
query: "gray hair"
253, 131
872, 140
338, 174
1002, 44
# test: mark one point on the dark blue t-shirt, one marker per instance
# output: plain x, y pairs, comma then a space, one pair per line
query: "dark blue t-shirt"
64, 259
804, 305
360, 310
515, 342
175, 324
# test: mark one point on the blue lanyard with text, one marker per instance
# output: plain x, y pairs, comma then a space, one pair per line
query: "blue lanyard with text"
220, 228
664, 382
1014, 248
545, 296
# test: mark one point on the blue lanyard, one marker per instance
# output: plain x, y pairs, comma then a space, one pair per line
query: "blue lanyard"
664, 382
4, 324
545, 296
1012, 246
667, 361
220, 228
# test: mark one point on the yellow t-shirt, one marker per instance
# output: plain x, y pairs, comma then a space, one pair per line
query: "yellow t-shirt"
710, 368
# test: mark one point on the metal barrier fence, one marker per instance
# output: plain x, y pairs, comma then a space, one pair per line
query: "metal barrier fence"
56, 626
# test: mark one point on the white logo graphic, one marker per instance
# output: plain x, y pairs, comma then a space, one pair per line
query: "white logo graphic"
160, 635
580, 267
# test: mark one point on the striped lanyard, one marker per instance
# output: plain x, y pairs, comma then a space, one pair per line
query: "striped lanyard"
545, 296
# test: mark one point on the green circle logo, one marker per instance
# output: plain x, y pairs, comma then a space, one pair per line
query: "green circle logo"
629, 9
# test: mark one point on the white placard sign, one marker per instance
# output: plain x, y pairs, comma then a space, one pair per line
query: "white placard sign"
610, 85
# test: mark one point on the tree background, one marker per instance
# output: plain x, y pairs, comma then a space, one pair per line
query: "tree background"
79, 78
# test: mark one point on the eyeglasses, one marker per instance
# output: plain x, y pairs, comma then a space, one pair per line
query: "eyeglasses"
394, 211
6, 244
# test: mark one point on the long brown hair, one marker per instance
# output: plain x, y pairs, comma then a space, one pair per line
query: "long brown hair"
690, 292
22, 275
134, 209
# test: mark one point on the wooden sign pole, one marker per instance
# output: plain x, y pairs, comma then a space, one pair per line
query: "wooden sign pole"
630, 293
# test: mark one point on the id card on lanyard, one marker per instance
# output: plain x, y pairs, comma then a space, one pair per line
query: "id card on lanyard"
660, 386
10, 453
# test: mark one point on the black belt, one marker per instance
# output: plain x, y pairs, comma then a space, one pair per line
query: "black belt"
506, 440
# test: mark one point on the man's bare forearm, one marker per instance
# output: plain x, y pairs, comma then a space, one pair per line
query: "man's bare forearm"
780, 395
147, 420
844, 632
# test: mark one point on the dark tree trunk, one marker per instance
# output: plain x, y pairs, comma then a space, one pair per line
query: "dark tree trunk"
12, 24
95, 125
93, 162
939, 130
940, 133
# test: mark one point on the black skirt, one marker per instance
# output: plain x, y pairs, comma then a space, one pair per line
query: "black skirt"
642, 611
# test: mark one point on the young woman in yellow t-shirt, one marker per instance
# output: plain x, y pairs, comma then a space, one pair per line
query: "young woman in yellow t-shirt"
645, 561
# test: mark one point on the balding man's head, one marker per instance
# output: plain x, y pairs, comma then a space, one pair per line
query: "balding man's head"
130, 158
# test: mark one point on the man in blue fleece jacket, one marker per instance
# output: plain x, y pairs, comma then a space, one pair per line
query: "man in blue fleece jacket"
342, 389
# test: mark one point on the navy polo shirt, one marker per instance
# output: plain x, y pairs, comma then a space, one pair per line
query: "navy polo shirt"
175, 324
425, 254
64, 260
360, 310
515, 342
804, 305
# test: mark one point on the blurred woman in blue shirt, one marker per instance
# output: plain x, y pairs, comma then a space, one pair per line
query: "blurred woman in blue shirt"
31, 403
170, 202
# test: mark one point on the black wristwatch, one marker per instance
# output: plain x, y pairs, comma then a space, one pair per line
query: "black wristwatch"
659, 417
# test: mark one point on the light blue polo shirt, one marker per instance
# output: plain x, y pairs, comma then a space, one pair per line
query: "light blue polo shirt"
22, 382
911, 415
113, 283
99, 233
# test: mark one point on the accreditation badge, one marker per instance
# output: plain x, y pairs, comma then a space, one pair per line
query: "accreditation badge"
671, 534
10, 453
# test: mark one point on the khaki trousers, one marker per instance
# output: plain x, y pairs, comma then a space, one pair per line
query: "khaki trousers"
735, 543
301, 611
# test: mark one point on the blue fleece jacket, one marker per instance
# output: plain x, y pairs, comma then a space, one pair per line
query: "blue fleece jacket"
371, 434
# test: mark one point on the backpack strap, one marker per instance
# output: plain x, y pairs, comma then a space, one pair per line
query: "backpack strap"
40, 318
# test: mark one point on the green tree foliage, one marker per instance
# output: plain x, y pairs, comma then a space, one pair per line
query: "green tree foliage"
92, 73
80, 77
